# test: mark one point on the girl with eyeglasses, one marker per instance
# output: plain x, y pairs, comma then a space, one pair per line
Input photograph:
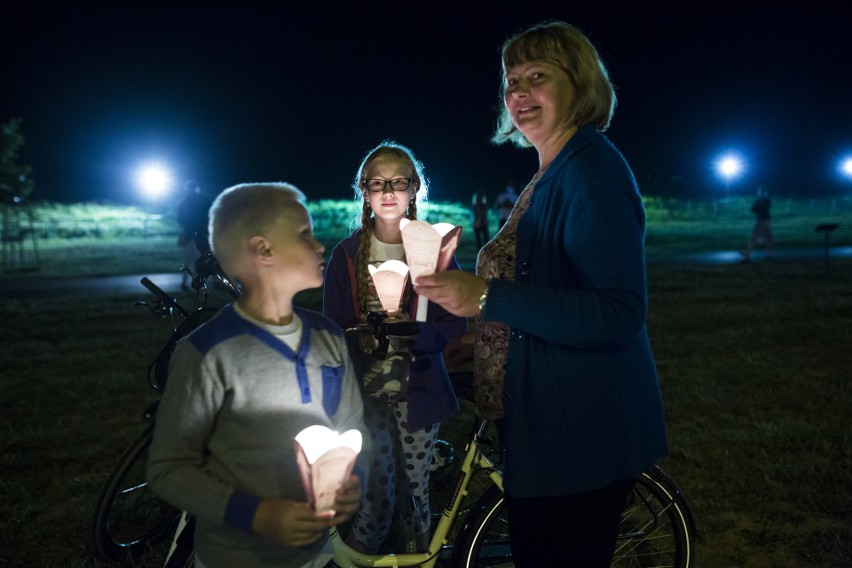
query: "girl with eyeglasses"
404, 401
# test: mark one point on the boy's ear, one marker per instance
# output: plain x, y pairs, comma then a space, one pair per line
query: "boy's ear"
260, 247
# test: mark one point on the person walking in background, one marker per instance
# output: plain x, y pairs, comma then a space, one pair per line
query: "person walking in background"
192, 216
762, 226
404, 402
479, 211
562, 351
505, 202
245, 383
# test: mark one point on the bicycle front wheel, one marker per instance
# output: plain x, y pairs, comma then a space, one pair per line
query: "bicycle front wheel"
484, 538
129, 518
657, 529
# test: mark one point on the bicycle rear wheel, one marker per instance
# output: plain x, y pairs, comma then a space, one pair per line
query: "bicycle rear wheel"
129, 519
657, 529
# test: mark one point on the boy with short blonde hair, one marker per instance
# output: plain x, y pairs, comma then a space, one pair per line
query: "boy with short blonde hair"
242, 385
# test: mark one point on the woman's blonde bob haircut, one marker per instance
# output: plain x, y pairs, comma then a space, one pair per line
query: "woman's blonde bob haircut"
563, 45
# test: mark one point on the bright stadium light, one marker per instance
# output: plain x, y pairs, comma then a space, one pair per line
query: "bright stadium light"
846, 167
729, 167
154, 179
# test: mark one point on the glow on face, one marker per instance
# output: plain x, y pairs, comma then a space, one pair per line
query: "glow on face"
539, 98
389, 205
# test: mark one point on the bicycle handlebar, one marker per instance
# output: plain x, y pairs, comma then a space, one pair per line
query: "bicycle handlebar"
163, 297
402, 329
383, 331
207, 265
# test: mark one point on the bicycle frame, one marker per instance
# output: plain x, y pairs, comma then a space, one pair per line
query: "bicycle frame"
475, 459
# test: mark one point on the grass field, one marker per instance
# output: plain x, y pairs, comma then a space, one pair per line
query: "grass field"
754, 361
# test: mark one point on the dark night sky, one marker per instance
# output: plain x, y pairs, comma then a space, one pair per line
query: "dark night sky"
250, 93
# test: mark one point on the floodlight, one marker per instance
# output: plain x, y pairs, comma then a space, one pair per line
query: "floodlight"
729, 166
154, 179
846, 167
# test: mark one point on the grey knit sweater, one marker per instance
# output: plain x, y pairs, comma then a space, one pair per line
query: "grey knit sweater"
235, 399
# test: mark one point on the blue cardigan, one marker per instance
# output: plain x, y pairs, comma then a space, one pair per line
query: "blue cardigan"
583, 405
430, 395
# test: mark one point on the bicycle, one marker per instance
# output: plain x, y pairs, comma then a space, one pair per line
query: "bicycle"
129, 520
657, 528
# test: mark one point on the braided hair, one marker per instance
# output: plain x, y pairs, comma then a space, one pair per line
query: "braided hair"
365, 222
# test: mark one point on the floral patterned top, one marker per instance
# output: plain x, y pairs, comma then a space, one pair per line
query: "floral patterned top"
496, 260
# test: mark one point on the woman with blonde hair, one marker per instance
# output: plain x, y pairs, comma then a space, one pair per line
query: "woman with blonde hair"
561, 353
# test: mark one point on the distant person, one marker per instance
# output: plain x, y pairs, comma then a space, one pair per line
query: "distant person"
403, 420
506, 202
762, 226
479, 210
248, 380
561, 353
192, 213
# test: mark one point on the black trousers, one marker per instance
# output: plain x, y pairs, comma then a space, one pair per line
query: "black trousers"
571, 531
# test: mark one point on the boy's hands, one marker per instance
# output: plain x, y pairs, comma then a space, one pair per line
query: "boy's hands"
346, 500
294, 524
289, 523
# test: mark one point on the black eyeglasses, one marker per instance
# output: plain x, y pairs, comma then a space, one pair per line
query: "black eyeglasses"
378, 185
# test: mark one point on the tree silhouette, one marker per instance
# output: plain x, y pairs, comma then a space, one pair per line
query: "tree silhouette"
14, 176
